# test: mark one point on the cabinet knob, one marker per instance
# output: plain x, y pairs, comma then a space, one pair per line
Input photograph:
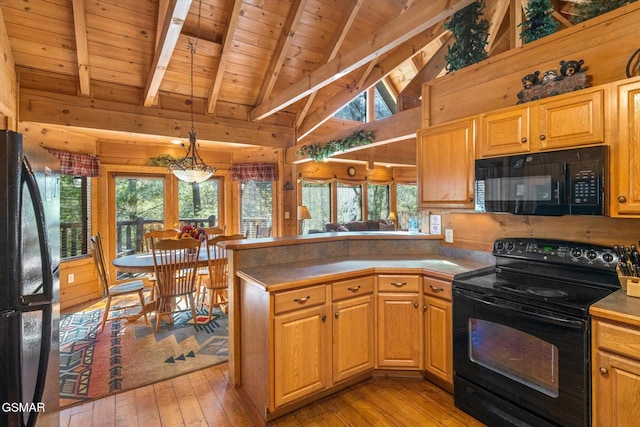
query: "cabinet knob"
424, 307
523, 140
354, 289
543, 137
302, 300
603, 370
622, 199
435, 289
337, 314
324, 318
415, 305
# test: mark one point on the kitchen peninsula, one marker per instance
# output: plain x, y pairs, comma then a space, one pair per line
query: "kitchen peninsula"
312, 314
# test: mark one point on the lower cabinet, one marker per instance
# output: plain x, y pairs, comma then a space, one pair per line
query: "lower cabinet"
616, 374
301, 357
438, 332
399, 322
353, 328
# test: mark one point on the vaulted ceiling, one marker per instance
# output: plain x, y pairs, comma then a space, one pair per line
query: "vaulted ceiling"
267, 73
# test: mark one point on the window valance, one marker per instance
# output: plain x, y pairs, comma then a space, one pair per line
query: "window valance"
77, 164
254, 172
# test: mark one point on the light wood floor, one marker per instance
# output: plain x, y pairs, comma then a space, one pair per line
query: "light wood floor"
205, 398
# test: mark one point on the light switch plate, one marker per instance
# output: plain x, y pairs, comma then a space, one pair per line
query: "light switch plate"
448, 235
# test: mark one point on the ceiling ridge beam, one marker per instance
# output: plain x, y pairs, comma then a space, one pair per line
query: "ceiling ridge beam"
82, 50
227, 41
425, 14
172, 24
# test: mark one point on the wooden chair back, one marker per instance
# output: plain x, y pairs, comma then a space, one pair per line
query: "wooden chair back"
175, 264
97, 253
217, 261
155, 235
215, 231
262, 231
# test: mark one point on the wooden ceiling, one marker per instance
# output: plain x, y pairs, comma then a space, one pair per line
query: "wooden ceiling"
267, 73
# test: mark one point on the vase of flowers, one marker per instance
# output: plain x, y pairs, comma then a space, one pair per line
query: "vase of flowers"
191, 232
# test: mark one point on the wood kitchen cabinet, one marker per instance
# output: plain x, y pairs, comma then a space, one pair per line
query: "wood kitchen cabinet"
560, 122
399, 321
625, 153
446, 165
300, 333
353, 327
438, 332
615, 373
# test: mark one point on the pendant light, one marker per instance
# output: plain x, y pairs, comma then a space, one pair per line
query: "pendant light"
191, 168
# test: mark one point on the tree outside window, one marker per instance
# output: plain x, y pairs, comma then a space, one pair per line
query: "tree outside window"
256, 206
74, 216
349, 202
317, 198
377, 201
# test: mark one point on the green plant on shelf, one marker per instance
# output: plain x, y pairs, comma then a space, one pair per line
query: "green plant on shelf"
319, 152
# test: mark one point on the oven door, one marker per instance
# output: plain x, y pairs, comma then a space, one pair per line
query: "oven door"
524, 360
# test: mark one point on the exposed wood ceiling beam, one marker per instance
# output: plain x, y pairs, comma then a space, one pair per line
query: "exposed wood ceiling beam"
410, 95
515, 18
499, 14
82, 51
394, 128
218, 72
561, 19
332, 51
282, 48
80, 112
424, 15
171, 26
382, 69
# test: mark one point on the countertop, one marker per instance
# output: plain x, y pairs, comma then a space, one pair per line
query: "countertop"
285, 276
618, 306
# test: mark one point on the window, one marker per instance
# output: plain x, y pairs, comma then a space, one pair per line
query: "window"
317, 198
406, 203
256, 206
198, 203
349, 202
139, 208
355, 110
74, 216
377, 201
385, 102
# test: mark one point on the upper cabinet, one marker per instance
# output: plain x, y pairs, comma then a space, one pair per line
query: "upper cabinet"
446, 165
625, 152
565, 121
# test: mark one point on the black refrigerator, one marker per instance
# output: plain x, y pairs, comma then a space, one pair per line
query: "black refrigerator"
29, 283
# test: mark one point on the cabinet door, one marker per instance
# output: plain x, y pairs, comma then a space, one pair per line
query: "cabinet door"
446, 165
570, 122
353, 337
300, 353
625, 158
616, 391
438, 345
504, 133
399, 330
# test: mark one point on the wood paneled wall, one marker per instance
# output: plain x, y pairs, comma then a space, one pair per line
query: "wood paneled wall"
8, 84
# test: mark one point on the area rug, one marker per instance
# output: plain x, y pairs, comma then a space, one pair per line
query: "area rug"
129, 355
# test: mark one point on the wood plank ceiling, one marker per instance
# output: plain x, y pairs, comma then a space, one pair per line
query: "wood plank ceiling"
267, 73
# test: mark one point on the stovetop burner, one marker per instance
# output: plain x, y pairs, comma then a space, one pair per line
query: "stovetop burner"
539, 292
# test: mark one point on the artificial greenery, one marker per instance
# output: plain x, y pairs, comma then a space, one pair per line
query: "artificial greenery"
538, 21
162, 160
471, 34
592, 8
319, 152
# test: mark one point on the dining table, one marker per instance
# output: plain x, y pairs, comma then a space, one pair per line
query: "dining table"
142, 262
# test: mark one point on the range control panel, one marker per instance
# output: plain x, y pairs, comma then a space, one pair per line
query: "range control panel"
556, 251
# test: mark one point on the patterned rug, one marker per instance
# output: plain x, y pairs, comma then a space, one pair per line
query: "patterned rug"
129, 355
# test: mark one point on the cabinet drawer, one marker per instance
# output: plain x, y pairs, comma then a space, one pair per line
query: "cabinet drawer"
398, 283
300, 298
619, 339
352, 288
437, 288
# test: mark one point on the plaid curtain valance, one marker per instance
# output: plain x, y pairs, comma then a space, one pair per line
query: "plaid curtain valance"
77, 164
254, 172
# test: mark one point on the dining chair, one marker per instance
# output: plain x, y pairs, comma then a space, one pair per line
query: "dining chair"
214, 286
175, 264
114, 290
215, 231
263, 231
155, 235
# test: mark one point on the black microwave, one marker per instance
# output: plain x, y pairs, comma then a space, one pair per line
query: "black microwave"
550, 183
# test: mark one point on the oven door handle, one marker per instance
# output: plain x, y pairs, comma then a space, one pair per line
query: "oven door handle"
522, 309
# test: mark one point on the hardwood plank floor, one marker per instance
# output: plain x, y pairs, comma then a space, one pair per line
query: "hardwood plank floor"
205, 398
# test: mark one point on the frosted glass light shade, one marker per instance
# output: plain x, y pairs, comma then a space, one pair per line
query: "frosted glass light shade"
192, 175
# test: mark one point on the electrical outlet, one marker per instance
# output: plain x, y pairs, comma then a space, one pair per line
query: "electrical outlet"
448, 235
71, 278
286, 215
